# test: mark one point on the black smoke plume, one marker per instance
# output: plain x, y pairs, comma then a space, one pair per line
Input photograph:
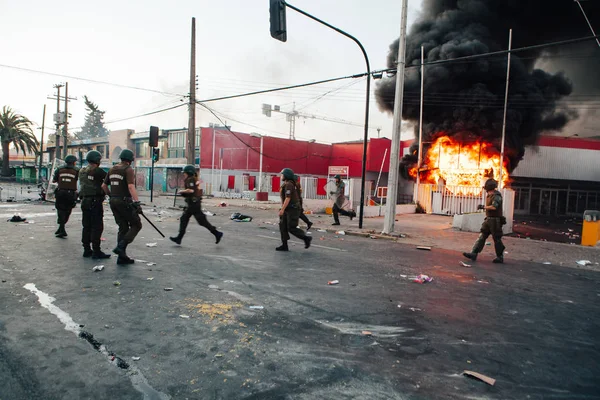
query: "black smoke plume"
466, 98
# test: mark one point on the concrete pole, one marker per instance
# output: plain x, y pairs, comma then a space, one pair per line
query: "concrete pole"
42, 144
212, 165
260, 165
390, 206
191, 136
505, 109
420, 154
57, 137
66, 127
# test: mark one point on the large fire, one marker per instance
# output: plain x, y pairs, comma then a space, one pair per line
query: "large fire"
460, 164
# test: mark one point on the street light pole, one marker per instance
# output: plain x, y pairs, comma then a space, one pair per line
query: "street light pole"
366, 133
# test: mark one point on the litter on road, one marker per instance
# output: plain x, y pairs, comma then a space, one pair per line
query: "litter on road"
151, 244
168, 289
342, 233
168, 254
336, 282
150, 264
98, 268
184, 316
464, 264
150, 279
428, 248
422, 278
135, 358
547, 263
583, 263
367, 333
256, 307
117, 283
321, 230
481, 377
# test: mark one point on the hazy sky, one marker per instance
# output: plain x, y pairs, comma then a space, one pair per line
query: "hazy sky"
147, 43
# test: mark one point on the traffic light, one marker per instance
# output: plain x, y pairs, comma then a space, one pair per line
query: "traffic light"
277, 19
153, 136
155, 154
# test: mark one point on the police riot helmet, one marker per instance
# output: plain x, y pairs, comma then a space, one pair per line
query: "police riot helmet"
189, 169
70, 159
490, 184
126, 155
93, 157
338, 177
288, 174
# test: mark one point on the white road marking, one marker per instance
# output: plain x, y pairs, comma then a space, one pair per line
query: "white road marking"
138, 380
302, 244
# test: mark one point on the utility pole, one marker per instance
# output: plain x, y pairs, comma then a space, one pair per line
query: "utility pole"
191, 139
500, 185
420, 153
42, 144
57, 119
66, 125
392, 193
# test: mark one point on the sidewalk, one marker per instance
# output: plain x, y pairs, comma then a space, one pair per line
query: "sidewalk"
434, 231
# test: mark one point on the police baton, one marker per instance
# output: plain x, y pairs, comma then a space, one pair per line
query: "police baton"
154, 226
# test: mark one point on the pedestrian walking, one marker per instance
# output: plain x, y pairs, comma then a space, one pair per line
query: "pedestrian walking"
91, 178
492, 225
66, 193
289, 214
303, 216
339, 198
124, 204
193, 200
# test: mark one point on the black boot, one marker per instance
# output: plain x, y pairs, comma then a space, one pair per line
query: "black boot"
335, 223
309, 225
498, 260
123, 260
120, 249
99, 255
218, 236
61, 232
352, 214
471, 256
307, 240
176, 239
283, 247
87, 251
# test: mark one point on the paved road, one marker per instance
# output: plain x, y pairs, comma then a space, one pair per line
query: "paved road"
533, 328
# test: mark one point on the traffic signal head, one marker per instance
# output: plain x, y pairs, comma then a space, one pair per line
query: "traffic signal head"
155, 154
277, 19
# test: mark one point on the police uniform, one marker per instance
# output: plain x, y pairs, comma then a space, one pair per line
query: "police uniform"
340, 199
288, 222
303, 217
492, 225
66, 195
194, 208
123, 208
92, 196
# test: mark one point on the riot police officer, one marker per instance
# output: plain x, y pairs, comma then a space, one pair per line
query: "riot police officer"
492, 225
124, 203
339, 200
91, 179
289, 214
303, 216
66, 193
193, 200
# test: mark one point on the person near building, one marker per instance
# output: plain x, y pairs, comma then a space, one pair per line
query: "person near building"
289, 214
492, 224
66, 193
303, 216
193, 199
339, 199
91, 178
124, 204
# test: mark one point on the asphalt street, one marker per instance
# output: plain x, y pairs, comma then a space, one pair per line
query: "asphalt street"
242, 321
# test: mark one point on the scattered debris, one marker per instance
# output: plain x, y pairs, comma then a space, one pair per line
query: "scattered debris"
547, 263
168, 254
481, 377
342, 233
135, 358
150, 279
17, 218
583, 263
168, 289
256, 307
367, 333
98, 268
422, 278
428, 248
413, 309
151, 244
321, 230
335, 282
117, 283
237, 217
208, 213
213, 287
222, 204
464, 264
482, 281
184, 316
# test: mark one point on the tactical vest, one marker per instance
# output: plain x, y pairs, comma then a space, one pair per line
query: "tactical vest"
192, 183
67, 178
118, 181
90, 183
497, 213
289, 185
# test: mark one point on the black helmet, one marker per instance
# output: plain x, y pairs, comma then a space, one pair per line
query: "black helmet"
288, 174
93, 157
490, 184
337, 176
126, 155
70, 159
189, 169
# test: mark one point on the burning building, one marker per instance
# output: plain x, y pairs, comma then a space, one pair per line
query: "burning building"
464, 99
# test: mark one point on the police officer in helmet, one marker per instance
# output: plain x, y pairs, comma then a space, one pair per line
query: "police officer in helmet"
124, 203
492, 224
91, 178
193, 200
289, 214
66, 193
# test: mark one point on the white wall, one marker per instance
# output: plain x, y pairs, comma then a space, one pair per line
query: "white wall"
559, 163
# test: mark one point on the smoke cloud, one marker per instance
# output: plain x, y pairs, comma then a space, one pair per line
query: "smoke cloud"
466, 98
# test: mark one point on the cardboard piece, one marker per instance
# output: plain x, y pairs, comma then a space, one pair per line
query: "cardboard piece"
481, 377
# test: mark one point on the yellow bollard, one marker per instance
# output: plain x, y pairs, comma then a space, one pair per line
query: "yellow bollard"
590, 234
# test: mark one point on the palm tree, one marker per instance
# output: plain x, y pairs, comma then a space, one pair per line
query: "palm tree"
15, 129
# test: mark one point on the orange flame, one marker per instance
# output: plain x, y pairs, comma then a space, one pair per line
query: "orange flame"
460, 164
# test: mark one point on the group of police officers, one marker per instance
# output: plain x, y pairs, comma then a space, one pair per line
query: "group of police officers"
119, 184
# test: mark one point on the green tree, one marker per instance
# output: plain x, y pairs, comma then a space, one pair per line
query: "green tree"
94, 125
15, 129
